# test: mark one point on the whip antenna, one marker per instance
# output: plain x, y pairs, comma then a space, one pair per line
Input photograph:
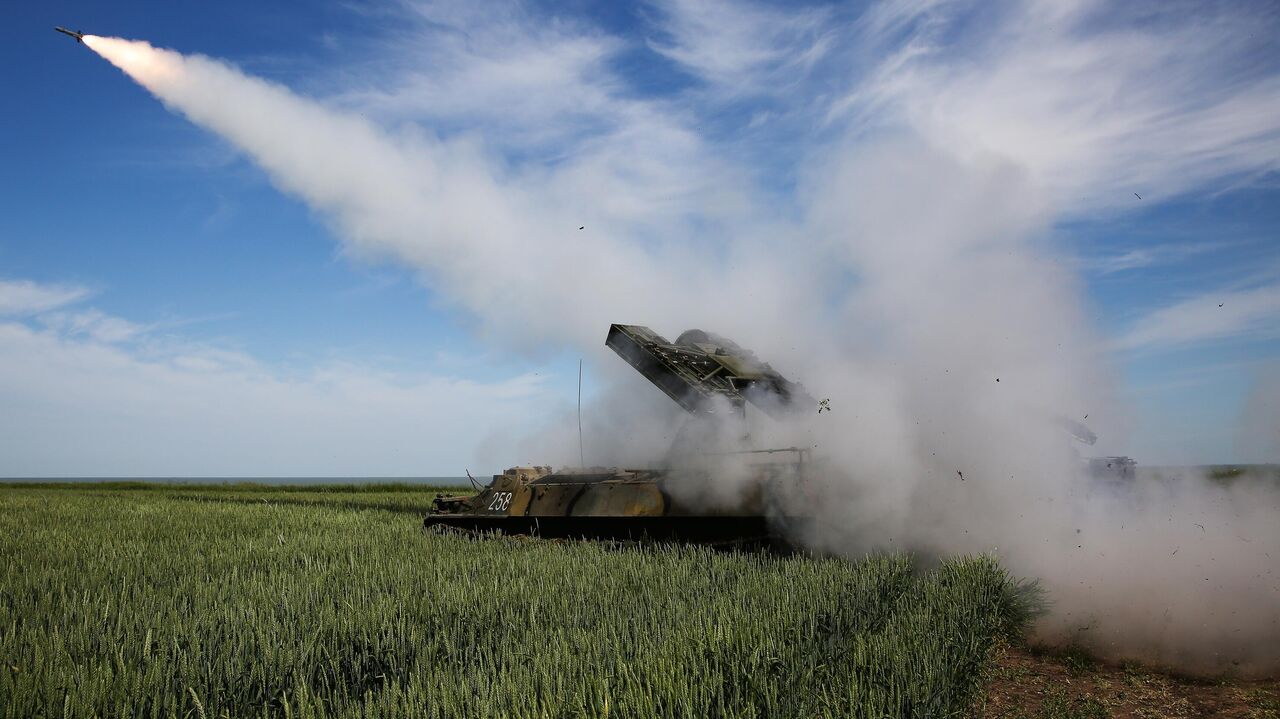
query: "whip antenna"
582, 462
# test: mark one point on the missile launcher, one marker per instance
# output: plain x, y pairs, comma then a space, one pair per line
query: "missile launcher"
706, 375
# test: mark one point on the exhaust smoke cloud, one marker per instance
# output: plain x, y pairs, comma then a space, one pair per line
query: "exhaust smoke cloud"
911, 284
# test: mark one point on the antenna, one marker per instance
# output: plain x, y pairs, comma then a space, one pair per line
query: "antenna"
582, 462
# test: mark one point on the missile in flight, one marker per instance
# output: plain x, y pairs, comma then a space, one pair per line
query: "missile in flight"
79, 36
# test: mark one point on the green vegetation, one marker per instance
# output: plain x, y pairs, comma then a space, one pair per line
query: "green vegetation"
1060, 705
208, 602
1229, 473
1078, 660
1266, 704
231, 488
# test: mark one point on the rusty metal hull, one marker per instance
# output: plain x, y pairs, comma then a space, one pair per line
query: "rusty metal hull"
610, 504
726, 530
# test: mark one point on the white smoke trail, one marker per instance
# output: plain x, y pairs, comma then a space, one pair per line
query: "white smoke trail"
949, 361
499, 243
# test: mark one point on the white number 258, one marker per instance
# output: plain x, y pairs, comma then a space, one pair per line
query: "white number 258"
501, 500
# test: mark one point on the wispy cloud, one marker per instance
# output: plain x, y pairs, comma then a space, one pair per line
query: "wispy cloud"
92, 323
1092, 101
743, 48
525, 84
51, 305
1247, 313
1095, 101
24, 297
1142, 257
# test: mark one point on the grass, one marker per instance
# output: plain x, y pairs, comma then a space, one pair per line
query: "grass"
1060, 705
1266, 704
225, 488
1078, 660
1229, 473
186, 602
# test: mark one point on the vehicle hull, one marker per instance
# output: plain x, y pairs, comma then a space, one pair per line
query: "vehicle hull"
718, 530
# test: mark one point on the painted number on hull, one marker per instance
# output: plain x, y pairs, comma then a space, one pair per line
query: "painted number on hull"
501, 500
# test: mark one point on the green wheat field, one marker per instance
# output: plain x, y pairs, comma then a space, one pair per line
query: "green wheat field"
245, 601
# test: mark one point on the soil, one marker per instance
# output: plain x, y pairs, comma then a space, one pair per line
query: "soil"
1031, 683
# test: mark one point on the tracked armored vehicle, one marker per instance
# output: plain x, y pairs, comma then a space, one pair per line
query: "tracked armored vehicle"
1117, 468
706, 375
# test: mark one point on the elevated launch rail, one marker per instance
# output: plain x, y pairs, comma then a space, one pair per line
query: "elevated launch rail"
699, 368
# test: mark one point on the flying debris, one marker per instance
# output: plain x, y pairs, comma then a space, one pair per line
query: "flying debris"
79, 36
1079, 430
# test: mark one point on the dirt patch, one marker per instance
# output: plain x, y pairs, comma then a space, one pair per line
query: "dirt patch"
1026, 683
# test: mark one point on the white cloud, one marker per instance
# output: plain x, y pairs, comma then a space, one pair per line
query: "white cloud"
1094, 100
1248, 313
742, 47
526, 84
1143, 257
49, 305
85, 393
24, 297
92, 323
79, 404
540, 103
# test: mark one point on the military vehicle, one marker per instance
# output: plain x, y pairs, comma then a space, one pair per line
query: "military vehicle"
1114, 468
1118, 468
708, 376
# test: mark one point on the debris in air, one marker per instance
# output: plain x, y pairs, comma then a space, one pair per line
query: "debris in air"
824, 406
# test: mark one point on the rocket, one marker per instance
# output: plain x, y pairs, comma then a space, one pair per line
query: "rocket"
79, 36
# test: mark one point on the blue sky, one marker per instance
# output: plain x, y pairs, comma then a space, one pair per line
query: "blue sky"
134, 238
284, 286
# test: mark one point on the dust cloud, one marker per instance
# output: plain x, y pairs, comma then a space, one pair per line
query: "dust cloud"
913, 288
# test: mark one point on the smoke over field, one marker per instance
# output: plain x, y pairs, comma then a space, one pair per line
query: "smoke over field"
908, 280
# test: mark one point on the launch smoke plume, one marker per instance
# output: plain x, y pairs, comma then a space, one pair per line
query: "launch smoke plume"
912, 289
